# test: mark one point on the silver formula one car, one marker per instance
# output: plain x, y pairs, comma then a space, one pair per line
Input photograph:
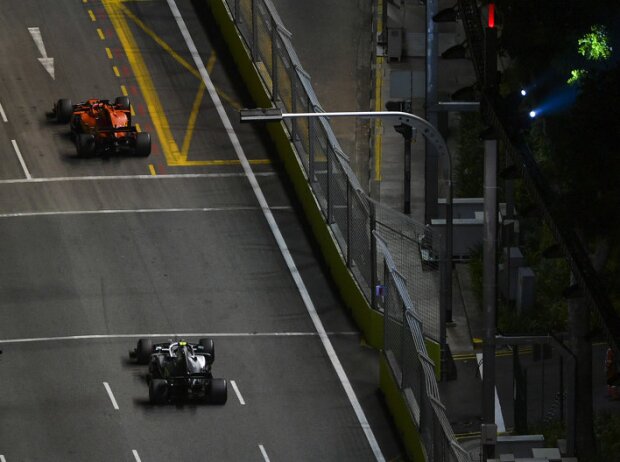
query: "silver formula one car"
180, 370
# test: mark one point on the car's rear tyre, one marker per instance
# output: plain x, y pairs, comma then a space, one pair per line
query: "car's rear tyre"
143, 144
64, 110
144, 350
158, 391
85, 144
218, 392
208, 346
122, 102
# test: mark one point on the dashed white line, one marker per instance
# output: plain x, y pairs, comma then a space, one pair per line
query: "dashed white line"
263, 452
2, 459
171, 335
21, 160
109, 390
135, 455
237, 392
4, 119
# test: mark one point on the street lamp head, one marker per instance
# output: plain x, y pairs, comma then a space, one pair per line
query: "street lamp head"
260, 115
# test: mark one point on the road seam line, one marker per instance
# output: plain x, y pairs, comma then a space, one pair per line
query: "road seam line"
21, 160
329, 349
172, 335
136, 211
237, 392
111, 395
172, 176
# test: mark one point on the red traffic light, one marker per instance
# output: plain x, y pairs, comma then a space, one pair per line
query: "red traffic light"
491, 22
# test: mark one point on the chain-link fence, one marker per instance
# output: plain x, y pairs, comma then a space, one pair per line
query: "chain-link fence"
405, 350
373, 239
350, 213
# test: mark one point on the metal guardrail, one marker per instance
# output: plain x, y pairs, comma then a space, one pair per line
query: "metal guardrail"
348, 211
406, 353
539, 189
382, 247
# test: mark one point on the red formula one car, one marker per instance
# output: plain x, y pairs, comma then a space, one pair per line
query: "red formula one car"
102, 127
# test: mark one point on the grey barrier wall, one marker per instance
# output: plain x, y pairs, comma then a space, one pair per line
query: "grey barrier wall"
349, 212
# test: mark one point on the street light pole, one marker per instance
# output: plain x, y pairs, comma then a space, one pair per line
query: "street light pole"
436, 139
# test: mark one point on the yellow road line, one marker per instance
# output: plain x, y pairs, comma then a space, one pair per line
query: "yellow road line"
211, 62
219, 162
108, 52
152, 170
100, 32
92, 15
178, 58
145, 82
191, 123
124, 90
116, 73
138, 129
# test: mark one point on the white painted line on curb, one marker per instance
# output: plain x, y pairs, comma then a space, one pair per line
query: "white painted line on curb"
135, 455
21, 160
169, 336
286, 254
237, 392
109, 390
4, 119
263, 452
499, 416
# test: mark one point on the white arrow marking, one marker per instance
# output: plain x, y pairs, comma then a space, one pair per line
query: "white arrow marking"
47, 62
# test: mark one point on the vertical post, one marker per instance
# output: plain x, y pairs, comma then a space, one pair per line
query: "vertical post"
329, 151
238, 19
431, 162
254, 32
407, 131
311, 122
373, 256
349, 221
489, 285
274, 61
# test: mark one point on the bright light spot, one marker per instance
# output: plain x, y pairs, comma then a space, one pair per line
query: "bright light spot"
532, 114
594, 45
523, 92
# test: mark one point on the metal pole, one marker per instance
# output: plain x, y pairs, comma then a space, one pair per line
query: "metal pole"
431, 161
489, 285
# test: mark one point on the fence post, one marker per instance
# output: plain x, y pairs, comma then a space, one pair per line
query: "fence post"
311, 124
330, 205
274, 62
349, 221
254, 45
373, 255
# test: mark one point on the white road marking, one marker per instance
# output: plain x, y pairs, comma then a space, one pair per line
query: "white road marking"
111, 395
263, 452
2, 459
499, 416
173, 176
21, 160
120, 211
237, 392
47, 62
329, 349
171, 335
4, 119
135, 455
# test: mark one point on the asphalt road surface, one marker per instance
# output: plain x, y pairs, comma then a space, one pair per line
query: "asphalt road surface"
98, 252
